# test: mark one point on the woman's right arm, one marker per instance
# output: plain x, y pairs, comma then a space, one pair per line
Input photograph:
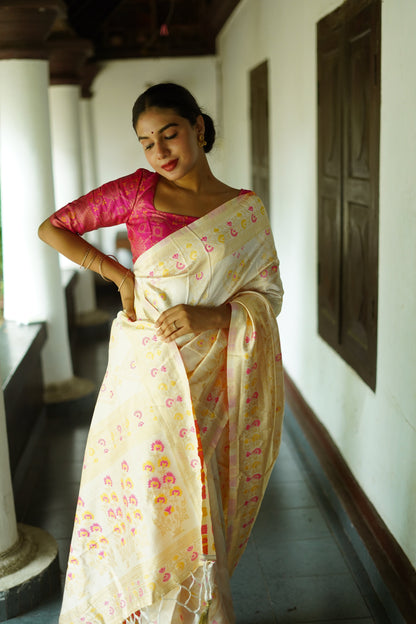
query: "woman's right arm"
84, 254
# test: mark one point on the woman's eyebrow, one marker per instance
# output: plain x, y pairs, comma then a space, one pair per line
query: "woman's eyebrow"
169, 125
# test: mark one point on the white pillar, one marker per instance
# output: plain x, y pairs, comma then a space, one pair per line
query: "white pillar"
64, 101
87, 141
32, 280
89, 162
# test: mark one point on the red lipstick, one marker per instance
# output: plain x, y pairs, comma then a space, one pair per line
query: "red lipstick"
170, 166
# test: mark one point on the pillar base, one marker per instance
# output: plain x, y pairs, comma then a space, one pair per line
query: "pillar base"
39, 579
18, 556
69, 390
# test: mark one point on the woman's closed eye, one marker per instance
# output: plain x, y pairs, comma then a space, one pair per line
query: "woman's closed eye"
166, 138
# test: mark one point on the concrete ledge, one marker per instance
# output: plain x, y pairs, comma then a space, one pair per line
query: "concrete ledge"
21, 373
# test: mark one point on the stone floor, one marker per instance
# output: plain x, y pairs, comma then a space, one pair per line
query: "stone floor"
296, 569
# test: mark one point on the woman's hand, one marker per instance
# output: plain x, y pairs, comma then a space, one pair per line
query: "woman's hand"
184, 319
126, 289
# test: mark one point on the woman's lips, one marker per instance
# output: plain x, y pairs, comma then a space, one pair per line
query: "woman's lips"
170, 166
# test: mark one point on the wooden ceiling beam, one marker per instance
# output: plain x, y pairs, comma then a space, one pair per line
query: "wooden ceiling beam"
131, 28
218, 11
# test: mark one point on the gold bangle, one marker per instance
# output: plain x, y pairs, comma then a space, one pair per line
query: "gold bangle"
81, 266
123, 280
100, 268
91, 261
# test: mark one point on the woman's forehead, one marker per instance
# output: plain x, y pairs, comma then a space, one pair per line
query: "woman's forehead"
153, 119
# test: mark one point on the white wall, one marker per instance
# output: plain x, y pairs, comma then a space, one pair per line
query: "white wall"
376, 432
116, 88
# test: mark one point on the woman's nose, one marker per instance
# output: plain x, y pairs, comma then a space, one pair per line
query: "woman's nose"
161, 149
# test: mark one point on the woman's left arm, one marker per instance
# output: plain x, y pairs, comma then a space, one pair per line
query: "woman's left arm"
83, 253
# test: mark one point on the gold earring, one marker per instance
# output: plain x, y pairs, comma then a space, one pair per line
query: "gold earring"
201, 140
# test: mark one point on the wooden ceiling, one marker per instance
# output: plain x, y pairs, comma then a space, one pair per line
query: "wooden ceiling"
149, 28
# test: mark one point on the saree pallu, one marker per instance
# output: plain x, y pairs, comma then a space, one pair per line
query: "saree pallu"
185, 434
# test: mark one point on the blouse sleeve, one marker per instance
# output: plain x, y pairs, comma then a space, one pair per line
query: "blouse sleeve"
110, 204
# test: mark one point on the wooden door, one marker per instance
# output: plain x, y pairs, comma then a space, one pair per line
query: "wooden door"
348, 180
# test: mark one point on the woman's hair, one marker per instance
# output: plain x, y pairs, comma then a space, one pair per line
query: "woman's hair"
179, 99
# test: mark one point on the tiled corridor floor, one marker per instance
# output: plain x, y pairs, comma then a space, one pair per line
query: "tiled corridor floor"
295, 569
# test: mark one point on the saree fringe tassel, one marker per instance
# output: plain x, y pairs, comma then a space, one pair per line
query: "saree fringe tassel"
195, 598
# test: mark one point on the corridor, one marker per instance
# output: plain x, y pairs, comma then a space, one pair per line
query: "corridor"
299, 566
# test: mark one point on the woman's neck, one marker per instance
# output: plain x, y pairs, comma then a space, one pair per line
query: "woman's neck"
198, 181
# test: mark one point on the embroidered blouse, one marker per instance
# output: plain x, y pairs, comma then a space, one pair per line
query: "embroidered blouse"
128, 200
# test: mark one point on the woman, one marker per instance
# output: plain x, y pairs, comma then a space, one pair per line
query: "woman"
187, 424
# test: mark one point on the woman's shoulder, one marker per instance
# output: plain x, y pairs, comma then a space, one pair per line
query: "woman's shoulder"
133, 184
231, 191
250, 199
138, 176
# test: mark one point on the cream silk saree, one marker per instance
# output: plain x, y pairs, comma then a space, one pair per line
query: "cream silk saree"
184, 435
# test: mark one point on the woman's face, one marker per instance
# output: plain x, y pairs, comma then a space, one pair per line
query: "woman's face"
169, 142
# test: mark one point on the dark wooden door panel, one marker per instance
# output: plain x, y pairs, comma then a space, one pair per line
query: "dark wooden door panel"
359, 106
259, 113
329, 180
360, 197
329, 263
356, 278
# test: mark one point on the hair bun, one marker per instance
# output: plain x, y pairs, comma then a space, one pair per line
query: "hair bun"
209, 132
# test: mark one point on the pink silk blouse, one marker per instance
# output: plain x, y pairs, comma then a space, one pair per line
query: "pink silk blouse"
127, 200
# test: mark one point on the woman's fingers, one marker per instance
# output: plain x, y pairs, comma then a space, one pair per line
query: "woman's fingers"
184, 319
171, 324
129, 311
127, 297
